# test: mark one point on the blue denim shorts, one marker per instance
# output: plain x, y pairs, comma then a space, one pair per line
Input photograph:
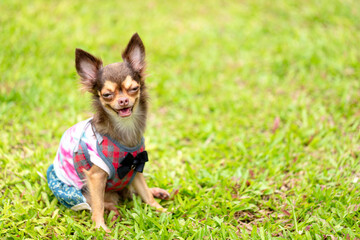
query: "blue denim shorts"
69, 196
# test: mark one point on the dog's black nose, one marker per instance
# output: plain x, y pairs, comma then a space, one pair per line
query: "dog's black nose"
123, 101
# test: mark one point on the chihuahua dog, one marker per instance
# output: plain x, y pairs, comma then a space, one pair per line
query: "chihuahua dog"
98, 159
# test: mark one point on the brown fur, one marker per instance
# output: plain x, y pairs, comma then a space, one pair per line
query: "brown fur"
109, 85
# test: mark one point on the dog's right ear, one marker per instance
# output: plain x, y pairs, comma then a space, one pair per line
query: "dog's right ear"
87, 66
134, 54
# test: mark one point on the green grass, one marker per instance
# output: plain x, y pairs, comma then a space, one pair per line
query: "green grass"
254, 115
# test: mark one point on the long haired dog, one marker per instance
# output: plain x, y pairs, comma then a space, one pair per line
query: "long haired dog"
104, 156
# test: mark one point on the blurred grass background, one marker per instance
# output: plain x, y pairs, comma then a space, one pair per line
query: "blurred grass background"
254, 115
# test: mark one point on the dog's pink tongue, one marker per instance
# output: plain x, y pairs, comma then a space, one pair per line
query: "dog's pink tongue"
125, 112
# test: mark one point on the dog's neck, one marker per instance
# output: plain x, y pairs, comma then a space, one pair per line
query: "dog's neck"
127, 131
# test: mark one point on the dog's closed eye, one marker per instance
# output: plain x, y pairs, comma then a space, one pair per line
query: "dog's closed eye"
107, 96
134, 89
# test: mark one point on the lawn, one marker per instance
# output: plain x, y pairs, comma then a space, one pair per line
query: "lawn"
254, 115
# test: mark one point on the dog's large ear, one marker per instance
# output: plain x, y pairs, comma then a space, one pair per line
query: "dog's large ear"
134, 54
87, 66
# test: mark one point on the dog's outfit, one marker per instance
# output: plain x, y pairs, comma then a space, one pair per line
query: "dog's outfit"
81, 147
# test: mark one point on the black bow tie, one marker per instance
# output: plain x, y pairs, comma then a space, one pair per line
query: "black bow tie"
130, 162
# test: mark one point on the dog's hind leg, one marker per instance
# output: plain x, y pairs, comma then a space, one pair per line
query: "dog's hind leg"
111, 199
160, 193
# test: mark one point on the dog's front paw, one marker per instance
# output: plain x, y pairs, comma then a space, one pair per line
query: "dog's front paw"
158, 207
103, 226
160, 193
99, 223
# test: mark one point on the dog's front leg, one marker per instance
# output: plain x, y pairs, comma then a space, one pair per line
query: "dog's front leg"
96, 180
143, 190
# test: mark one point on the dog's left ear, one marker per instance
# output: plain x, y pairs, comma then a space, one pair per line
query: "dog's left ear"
88, 67
134, 54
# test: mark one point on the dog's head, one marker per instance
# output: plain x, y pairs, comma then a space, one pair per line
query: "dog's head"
119, 88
